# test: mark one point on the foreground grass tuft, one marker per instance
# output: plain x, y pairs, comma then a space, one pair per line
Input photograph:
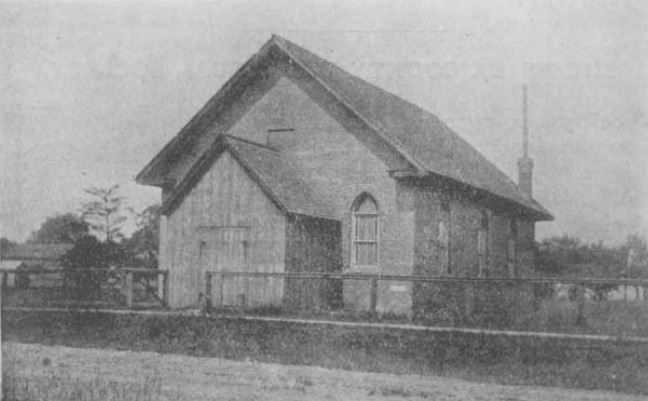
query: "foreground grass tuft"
63, 387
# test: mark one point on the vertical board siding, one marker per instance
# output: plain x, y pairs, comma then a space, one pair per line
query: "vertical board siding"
225, 200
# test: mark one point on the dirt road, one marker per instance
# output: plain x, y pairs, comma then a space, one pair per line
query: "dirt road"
177, 377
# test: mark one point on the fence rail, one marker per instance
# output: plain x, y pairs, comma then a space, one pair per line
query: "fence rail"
440, 279
57, 286
611, 306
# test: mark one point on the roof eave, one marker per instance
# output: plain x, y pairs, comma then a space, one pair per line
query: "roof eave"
197, 170
147, 175
220, 145
536, 213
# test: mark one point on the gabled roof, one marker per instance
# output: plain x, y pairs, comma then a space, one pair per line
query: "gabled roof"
416, 134
32, 251
272, 170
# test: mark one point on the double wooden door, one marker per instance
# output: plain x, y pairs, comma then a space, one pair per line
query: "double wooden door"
225, 249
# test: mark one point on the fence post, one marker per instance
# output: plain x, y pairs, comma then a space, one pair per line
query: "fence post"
208, 290
221, 293
165, 295
160, 286
129, 289
374, 295
580, 305
470, 295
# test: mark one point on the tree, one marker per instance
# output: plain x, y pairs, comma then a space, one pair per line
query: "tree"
635, 252
105, 214
555, 254
5, 244
87, 254
568, 256
65, 228
143, 244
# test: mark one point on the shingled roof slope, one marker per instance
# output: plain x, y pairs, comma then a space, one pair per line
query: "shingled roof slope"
272, 170
279, 176
418, 135
418, 132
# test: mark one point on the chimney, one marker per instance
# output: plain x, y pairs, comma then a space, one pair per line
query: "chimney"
525, 163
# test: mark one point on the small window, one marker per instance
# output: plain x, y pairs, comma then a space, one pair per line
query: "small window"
365, 232
512, 251
482, 239
443, 238
482, 244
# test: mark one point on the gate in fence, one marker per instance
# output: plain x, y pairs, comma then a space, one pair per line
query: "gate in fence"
100, 288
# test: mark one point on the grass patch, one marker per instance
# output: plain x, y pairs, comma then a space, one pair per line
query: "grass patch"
521, 361
618, 318
60, 387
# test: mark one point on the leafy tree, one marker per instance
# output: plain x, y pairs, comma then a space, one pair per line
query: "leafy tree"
83, 261
555, 254
143, 244
5, 244
61, 229
635, 251
88, 253
104, 214
569, 257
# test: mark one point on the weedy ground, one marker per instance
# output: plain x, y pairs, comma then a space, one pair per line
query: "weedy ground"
492, 359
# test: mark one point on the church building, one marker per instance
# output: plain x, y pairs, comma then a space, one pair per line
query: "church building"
295, 165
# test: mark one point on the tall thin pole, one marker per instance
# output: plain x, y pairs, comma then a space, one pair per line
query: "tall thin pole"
525, 128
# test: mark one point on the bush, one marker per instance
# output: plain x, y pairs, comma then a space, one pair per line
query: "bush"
88, 253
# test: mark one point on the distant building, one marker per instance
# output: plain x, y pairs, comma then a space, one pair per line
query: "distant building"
298, 166
33, 257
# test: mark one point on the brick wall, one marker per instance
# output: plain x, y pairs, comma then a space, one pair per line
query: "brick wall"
464, 223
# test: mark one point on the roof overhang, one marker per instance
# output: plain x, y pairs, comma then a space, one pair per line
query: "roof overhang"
156, 171
153, 173
534, 211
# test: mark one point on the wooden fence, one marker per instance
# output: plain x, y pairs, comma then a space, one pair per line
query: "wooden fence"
62, 283
582, 305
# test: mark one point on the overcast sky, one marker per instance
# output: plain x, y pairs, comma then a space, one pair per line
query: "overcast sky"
91, 92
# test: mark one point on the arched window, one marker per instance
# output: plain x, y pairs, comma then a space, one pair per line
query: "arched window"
364, 247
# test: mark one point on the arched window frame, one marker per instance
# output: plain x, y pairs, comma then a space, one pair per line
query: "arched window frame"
355, 241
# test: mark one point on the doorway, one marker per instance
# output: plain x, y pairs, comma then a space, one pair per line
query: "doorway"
224, 249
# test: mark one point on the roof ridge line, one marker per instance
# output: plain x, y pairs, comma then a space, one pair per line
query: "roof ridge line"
396, 142
370, 122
